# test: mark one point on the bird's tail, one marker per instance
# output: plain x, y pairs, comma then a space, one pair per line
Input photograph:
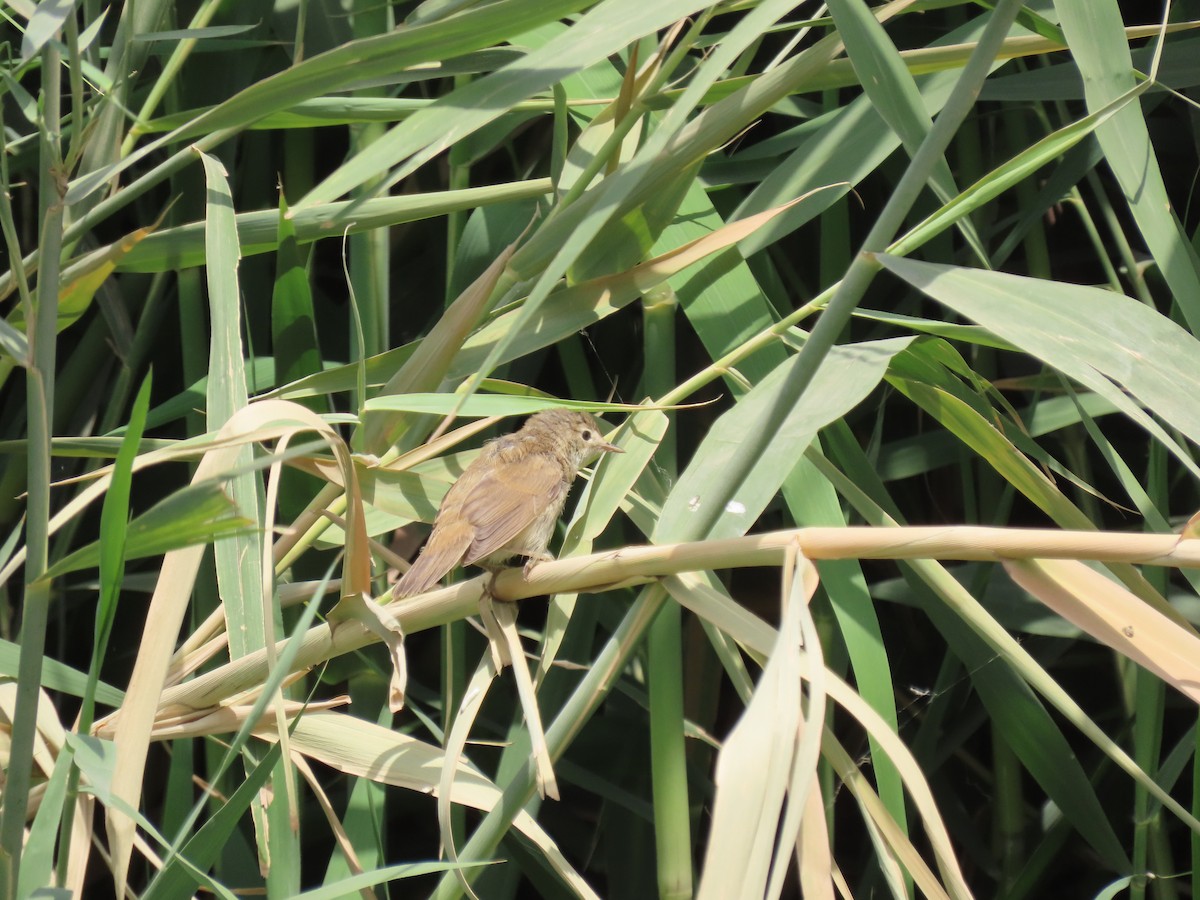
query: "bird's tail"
442, 552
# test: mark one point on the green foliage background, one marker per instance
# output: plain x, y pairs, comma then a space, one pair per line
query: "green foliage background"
980, 310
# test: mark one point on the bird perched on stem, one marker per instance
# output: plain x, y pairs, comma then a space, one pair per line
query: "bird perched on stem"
506, 502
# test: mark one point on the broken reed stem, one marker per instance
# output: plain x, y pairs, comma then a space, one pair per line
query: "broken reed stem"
639, 564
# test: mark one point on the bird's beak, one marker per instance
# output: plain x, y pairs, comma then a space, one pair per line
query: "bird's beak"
610, 448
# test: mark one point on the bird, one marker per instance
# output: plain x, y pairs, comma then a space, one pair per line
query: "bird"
507, 501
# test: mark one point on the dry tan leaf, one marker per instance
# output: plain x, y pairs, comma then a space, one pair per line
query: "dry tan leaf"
82, 832
265, 420
335, 823
1115, 617
506, 617
385, 626
497, 646
754, 769
367, 750
168, 604
473, 697
228, 719
757, 637
799, 585
50, 736
815, 857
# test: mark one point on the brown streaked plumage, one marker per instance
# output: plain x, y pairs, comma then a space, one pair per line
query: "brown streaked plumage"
506, 502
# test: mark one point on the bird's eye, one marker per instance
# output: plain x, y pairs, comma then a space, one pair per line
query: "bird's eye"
586, 434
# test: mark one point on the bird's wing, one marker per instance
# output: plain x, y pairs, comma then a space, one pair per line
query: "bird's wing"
508, 499
449, 540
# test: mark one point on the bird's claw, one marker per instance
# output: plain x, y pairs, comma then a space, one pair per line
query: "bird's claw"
533, 561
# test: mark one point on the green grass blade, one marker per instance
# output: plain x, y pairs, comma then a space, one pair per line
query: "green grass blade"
714, 498
1094, 33
1092, 336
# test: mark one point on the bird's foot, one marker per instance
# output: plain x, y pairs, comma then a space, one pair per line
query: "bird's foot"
489, 586
532, 561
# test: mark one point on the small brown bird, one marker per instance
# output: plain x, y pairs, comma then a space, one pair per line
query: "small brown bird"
506, 502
